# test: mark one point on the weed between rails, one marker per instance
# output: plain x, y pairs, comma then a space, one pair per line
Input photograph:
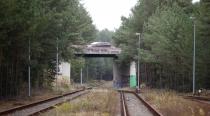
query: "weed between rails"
93, 104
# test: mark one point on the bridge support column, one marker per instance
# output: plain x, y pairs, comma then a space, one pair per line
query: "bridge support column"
116, 75
120, 75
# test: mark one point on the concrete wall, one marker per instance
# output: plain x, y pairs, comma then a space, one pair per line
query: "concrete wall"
120, 75
64, 71
116, 76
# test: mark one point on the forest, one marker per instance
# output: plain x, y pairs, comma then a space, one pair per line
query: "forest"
166, 53
44, 24
43, 27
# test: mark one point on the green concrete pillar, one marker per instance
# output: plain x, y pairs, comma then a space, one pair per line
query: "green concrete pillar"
133, 82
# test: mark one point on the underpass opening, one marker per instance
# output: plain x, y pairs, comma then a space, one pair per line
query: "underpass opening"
97, 54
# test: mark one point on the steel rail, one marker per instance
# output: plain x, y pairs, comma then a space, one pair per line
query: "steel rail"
198, 97
205, 100
124, 108
19, 108
150, 108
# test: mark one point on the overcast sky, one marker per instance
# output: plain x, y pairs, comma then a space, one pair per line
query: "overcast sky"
107, 13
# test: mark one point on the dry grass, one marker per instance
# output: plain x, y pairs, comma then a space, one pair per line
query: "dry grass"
100, 84
170, 104
97, 103
37, 95
62, 85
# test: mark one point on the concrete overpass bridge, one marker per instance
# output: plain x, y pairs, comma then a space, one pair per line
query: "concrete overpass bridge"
102, 49
97, 49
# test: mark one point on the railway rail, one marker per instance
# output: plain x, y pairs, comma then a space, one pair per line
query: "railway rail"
43, 105
205, 100
133, 105
124, 108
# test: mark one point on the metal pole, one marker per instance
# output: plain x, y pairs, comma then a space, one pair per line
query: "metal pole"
194, 61
57, 63
81, 76
70, 73
29, 68
139, 63
87, 72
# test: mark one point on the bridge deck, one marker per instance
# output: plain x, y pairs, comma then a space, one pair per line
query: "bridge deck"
98, 51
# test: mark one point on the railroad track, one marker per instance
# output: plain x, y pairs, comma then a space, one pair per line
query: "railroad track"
200, 99
43, 105
133, 105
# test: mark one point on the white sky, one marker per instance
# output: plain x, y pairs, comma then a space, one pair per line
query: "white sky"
195, 1
107, 13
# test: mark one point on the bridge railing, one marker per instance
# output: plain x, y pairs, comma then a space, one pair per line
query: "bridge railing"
99, 51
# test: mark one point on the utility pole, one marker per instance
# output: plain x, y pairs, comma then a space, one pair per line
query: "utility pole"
194, 59
57, 63
81, 76
87, 72
194, 37
29, 67
70, 73
138, 66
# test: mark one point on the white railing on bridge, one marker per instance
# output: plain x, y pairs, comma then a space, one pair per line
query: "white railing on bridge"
111, 50
101, 50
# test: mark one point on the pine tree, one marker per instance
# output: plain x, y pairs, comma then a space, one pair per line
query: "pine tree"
204, 34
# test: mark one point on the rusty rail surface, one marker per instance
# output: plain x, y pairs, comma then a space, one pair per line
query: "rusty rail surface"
19, 108
150, 108
124, 108
205, 100
198, 97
